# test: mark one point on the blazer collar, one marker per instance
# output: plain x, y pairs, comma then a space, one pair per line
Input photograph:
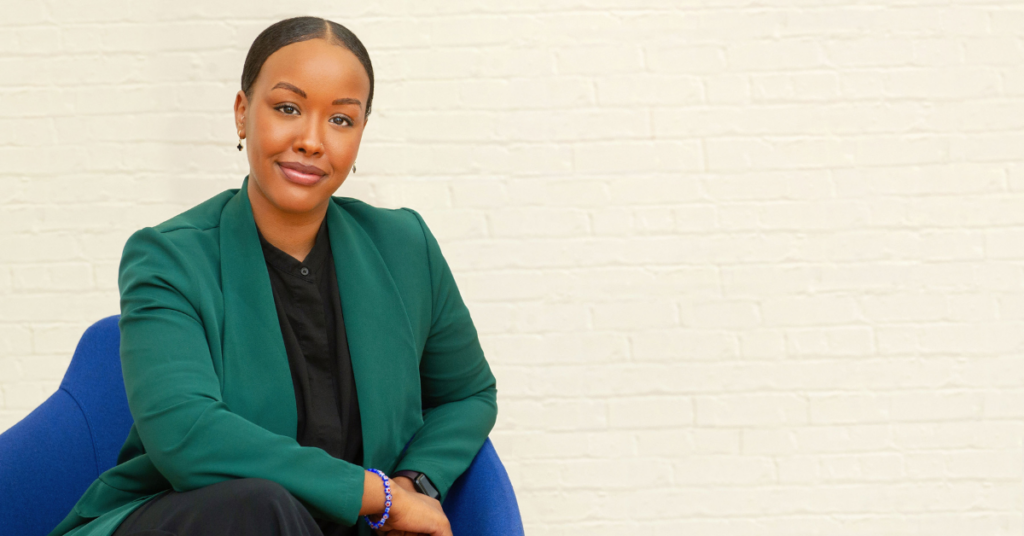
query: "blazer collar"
256, 379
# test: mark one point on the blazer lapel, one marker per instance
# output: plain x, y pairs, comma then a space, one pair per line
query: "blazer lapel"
385, 361
256, 378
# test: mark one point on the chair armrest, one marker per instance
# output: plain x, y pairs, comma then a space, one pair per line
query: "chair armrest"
482, 501
48, 461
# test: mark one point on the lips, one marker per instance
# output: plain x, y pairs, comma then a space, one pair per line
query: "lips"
301, 173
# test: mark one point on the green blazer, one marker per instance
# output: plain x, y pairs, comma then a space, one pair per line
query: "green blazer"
207, 376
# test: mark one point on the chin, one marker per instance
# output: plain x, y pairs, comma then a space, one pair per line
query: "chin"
291, 200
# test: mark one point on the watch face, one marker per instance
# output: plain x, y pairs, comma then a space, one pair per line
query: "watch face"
424, 486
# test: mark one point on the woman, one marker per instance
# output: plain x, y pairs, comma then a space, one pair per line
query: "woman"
278, 343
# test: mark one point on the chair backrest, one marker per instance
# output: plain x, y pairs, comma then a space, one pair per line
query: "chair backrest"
50, 457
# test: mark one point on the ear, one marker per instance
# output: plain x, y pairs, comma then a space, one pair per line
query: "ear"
241, 107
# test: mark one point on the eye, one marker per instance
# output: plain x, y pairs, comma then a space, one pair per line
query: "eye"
343, 118
283, 106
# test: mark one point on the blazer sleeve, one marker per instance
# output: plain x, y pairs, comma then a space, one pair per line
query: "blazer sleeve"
459, 391
174, 393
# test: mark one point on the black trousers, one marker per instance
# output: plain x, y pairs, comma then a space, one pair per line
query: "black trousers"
246, 506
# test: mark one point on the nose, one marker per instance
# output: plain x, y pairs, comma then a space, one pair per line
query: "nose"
310, 140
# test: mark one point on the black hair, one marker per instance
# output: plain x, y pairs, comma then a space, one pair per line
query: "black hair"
294, 30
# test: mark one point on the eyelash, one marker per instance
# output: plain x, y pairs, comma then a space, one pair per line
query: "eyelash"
278, 108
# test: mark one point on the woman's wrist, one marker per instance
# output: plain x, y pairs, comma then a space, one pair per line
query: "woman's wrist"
373, 495
386, 483
404, 482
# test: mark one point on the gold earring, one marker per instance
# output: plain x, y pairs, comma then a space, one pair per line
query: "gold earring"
239, 144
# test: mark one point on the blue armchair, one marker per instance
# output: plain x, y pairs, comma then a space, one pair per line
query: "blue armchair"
49, 458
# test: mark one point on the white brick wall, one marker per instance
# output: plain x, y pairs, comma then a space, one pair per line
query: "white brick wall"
741, 268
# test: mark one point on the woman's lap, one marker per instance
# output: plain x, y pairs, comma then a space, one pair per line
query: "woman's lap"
247, 506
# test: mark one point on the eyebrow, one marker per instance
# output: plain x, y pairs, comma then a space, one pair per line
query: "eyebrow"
292, 88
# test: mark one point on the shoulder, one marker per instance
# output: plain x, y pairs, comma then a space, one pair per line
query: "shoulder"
189, 225
369, 215
176, 244
203, 217
405, 244
390, 228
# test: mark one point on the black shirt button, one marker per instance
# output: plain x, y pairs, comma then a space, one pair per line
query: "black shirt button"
304, 271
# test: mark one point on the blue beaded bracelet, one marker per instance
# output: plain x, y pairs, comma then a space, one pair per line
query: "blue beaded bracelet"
387, 500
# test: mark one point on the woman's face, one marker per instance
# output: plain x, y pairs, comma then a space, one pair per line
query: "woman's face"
307, 109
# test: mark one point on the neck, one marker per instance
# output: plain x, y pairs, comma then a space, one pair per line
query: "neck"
292, 233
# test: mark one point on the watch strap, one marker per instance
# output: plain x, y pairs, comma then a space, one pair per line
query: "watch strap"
411, 475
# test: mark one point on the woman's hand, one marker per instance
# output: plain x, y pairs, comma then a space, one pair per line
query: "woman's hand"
406, 483
413, 513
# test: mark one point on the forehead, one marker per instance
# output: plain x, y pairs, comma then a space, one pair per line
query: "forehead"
316, 66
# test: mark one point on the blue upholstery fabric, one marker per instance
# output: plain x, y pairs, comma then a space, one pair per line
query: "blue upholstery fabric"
49, 458
46, 463
481, 501
94, 380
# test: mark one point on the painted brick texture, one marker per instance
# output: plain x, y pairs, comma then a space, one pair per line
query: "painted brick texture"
740, 268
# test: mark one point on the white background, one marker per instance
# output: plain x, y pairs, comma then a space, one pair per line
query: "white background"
740, 267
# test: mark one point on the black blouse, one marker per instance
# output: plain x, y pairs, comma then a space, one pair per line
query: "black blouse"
309, 310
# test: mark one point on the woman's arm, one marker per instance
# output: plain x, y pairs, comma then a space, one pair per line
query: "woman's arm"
459, 390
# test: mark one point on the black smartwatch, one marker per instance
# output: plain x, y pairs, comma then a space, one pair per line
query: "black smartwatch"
420, 482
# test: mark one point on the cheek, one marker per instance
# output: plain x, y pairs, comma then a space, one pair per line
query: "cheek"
344, 148
273, 136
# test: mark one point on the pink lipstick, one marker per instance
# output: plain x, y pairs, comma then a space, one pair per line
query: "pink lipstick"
301, 174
